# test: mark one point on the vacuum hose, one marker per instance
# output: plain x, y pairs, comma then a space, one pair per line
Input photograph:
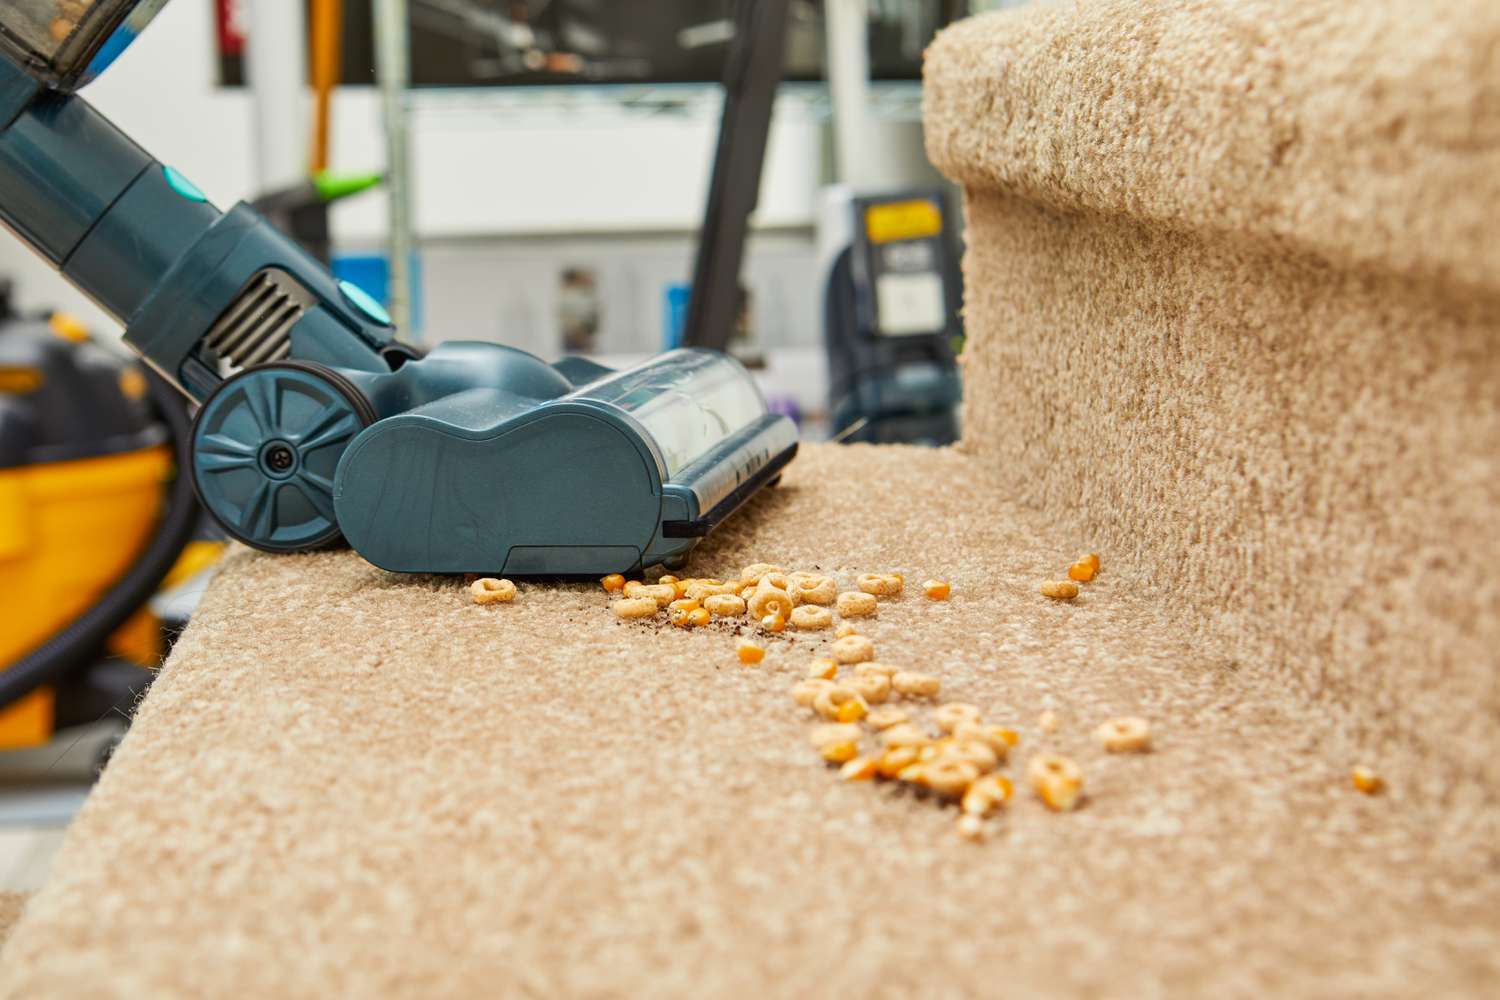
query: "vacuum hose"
77, 644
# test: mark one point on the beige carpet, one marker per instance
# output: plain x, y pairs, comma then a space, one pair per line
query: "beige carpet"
1199, 347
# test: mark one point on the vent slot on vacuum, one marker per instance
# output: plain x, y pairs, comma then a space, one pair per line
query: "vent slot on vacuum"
257, 326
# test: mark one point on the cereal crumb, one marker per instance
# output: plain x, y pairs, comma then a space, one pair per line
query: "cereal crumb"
488, 590
1127, 734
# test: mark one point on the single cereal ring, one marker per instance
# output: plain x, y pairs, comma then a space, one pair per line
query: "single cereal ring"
835, 703
702, 590
806, 692
854, 604
892, 762
820, 590
768, 600
952, 715
834, 732
873, 688
994, 737
987, 794
724, 605
751, 574
974, 751
488, 590
1058, 781
823, 669
1060, 590
810, 616
915, 685
948, 777
885, 716
634, 607
879, 584
852, 649
662, 593
1128, 734
870, 668
904, 735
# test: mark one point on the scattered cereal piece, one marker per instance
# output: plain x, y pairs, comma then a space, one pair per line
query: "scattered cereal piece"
612, 583
683, 604
699, 617
724, 605
975, 752
892, 762
991, 736
805, 693
1058, 781
915, 685
823, 669
854, 604
987, 794
971, 828
811, 617
830, 704
870, 667
769, 601
950, 716
852, 649
1060, 590
488, 590
821, 736
773, 623
853, 711
948, 776
662, 593
819, 590
845, 629
1081, 571
1047, 722
858, 769
751, 574
702, 590
634, 607
937, 590
1366, 780
1128, 734
680, 617
904, 735
668, 579
873, 688
885, 716
879, 584
749, 652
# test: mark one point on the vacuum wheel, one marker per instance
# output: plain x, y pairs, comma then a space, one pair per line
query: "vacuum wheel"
266, 445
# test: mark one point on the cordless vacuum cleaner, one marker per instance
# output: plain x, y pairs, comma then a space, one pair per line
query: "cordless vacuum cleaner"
316, 423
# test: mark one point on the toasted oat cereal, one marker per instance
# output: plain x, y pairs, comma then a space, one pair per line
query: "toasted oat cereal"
948, 777
974, 751
1060, 590
915, 685
702, 590
724, 605
845, 629
854, 604
819, 590
994, 737
811, 617
833, 732
823, 669
950, 716
662, 593
873, 688
987, 794
880, 584
871, 667
1128, 734
852, 649
840, 704
751, 574
769, 601
488, 590
904, 735
1058, 781
885, 716
806, 692
634, 607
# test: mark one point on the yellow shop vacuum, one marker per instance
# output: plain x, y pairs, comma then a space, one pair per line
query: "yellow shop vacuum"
93, 518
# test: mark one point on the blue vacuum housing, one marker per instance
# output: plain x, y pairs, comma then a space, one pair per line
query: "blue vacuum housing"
482, 458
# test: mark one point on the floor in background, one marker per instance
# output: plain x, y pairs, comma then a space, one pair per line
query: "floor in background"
41, 790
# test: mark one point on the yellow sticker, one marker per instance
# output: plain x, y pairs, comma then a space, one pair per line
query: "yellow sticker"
903, 220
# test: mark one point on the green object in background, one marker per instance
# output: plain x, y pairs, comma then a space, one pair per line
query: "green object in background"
334, 186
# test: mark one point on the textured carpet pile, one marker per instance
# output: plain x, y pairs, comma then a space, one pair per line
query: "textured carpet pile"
1233, 313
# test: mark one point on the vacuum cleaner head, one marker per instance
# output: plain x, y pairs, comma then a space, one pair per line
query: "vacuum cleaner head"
482, 458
